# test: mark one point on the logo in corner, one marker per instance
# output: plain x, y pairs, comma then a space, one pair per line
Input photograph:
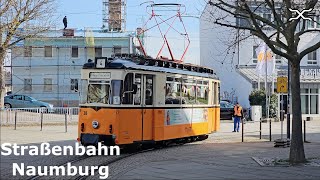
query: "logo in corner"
300, 14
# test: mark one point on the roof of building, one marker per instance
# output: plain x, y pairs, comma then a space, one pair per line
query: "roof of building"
309, 74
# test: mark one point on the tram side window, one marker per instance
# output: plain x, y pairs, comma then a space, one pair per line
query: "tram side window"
149, 90
98, 93
218, 93
173, 90
116, 91
189, 91
202, 92
128, 86
213, 94
137, 96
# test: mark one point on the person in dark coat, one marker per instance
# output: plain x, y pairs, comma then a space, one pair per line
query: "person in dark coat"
65, 22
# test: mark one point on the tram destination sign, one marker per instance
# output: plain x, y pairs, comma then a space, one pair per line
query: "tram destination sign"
100, 75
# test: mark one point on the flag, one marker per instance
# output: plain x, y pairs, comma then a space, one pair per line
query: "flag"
264, 54
89, 40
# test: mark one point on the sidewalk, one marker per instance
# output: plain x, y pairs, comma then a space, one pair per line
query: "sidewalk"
32, 134
221, 161
223, 156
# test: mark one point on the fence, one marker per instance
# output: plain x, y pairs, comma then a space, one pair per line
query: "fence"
272, 130
56, 115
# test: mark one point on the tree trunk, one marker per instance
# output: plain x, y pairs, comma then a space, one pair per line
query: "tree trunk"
296, 149
2, 80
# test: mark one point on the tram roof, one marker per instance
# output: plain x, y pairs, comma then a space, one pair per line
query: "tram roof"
119, 63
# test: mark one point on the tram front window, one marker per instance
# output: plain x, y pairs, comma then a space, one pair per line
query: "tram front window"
98, 93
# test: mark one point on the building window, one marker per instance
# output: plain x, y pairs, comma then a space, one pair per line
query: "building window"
48, 51
98, 51
27, 85
310, 24
28, 51
318, 21
278, 57
117, 50
74, 85
312, 57
254, 54
74, 51
268, 17
47, 84
309, 101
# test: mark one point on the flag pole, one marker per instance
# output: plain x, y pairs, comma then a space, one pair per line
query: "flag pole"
266, 82
259, 81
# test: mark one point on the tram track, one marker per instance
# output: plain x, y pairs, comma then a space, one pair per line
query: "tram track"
104, 163
107, 163
112, 159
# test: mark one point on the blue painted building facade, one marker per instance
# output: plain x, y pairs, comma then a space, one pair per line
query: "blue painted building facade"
48, 67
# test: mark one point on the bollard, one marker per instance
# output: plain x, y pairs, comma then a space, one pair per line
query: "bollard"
270, 131
41, 120
65, 121
242, 129
305, 132
288, 126
15, 120
260, 128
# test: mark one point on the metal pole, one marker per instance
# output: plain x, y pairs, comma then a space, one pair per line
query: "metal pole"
288, 104
260, 128
15, 120
259, 81
304, 131
65, 121
270, 131
266, 83
41, 120
281, 116
242, 128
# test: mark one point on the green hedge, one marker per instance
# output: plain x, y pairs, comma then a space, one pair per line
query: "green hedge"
258, 97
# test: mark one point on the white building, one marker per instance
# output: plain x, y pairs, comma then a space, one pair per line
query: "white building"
48, 68
235, 65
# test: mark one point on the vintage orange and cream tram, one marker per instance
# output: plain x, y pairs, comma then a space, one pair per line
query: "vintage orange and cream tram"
132, 100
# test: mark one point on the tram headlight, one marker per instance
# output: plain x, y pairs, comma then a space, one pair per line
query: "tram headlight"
95, 124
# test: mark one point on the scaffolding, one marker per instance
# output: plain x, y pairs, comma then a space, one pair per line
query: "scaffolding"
114, 15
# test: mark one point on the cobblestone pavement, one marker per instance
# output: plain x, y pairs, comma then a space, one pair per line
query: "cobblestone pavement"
221, 156
32, 134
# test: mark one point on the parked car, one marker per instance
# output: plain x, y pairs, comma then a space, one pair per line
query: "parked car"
226, 110
23, 101
8, 93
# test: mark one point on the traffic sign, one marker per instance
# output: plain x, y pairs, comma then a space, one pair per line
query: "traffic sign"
282, 85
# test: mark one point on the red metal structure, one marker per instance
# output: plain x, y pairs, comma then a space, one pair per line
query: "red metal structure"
155, 15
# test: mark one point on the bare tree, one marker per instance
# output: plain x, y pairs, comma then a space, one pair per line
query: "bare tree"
282, 33
21, 19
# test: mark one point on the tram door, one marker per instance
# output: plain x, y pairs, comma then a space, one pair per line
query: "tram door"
146, 87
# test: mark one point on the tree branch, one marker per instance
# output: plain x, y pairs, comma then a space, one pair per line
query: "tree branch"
309, 50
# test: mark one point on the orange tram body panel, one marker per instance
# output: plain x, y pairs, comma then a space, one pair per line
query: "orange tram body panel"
125, 102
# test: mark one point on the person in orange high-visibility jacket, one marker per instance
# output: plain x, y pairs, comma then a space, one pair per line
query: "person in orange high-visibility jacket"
238, 115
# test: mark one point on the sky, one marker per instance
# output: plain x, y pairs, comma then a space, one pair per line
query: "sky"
88, 13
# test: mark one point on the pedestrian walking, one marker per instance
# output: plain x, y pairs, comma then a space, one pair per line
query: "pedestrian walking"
238, 115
